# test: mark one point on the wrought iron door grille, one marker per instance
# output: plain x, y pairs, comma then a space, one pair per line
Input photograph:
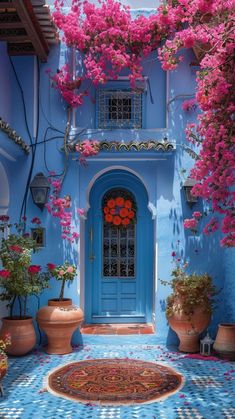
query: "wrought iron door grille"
119, 251
119, 109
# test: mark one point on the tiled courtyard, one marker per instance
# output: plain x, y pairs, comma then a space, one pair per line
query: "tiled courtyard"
209, 389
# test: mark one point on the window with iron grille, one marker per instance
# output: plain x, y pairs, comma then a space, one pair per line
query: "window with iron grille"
119, 109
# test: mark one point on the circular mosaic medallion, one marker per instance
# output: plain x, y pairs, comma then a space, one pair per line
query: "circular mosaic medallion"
114, 381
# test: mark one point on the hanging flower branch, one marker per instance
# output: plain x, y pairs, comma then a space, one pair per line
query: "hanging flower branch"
59, 208
210, 25
110, 41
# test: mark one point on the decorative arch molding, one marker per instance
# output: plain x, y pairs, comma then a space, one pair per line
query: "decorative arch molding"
83, 220
151, 207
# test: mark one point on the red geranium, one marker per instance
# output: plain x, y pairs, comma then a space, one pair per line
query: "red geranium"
117, 220
113, 211
4, 218
123, 212
51, 266
106, 210
36, 220
16, 249
131, 214
125, 221
109, 218
128, 204
119, 201
4, 273
34, 269
111, 203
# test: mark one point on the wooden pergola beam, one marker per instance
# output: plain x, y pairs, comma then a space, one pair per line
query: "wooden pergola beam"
25, 11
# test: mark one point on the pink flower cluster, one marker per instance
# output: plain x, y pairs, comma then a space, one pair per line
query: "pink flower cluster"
210, 30
189, 105
191, 224
87, 148
110, 41
59, 208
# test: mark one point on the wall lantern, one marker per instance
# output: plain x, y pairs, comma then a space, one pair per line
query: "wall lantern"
188, 186
39, 188
206, 345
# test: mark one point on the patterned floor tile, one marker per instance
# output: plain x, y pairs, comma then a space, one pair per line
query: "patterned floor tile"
209, 389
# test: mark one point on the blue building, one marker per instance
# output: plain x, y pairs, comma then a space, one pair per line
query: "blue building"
143, 158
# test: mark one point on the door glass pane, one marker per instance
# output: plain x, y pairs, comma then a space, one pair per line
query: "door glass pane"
119, 234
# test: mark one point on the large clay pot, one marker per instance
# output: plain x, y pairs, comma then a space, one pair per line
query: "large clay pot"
225, 341
59, 320
188, 328
22, 332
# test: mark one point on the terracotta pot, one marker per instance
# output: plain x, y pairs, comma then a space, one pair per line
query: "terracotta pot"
189, 329
59, 320
225, 341
3, 369
3, 364
22, 332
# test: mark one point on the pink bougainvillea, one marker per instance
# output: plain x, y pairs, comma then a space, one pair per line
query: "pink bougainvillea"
59, 208
110, 40
210, 30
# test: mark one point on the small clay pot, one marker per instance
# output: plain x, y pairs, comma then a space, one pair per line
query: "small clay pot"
59, 320
225, 341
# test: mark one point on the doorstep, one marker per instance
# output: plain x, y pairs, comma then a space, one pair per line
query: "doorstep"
118, 329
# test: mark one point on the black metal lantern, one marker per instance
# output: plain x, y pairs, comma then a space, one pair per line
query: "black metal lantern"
39, 188
188, 186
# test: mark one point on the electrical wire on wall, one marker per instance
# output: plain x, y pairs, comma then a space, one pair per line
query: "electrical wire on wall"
33, 144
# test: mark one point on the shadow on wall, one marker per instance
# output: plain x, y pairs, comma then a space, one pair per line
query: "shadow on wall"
165, 178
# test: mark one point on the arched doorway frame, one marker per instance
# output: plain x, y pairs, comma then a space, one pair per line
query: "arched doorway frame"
82, 241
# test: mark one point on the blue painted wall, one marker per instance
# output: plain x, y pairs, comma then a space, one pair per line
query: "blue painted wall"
161, 173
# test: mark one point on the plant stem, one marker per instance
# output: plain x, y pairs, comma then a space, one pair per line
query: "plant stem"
20, 305
12, 305
25, 303
62, 290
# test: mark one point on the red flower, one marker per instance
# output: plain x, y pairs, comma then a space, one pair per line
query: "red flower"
16, 249
36, 220
173, 254
4, 273
125, 221
123, 212
111, 203
113, 211
34, 269
108, 218
128, 204
106, 210
117, 220
51, 266
131, 214
119, 201
4, 218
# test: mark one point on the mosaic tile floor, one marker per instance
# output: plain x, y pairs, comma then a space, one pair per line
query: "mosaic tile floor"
209, 389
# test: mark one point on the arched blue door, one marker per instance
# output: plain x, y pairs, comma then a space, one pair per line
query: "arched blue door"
119, 251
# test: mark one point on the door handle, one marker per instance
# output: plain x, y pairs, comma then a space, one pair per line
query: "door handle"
92, 256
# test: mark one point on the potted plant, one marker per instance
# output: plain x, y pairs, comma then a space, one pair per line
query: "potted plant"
60, 318
19, 279
3, 359
189, 306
